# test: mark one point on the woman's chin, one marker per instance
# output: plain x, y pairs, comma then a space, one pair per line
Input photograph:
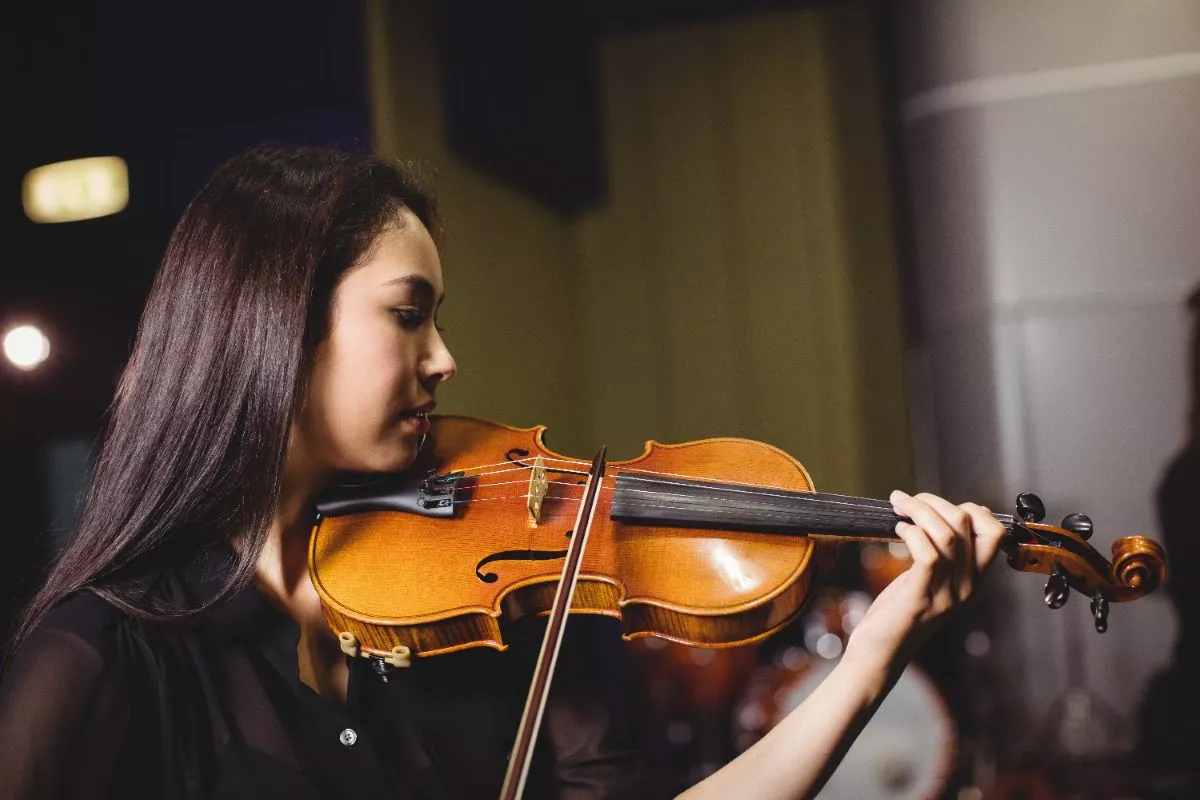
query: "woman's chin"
405, 457
391, 459
401, 460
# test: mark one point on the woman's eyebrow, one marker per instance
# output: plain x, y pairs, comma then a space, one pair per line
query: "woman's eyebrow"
418, 285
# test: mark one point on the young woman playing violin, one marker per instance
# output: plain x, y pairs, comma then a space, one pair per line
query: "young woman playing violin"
177, 647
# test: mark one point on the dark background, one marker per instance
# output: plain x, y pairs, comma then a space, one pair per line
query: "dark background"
176, 90
173, 91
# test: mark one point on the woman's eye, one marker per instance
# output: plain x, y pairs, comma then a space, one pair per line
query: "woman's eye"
409, 318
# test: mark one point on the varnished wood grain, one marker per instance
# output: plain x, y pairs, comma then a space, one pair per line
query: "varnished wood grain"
392, 578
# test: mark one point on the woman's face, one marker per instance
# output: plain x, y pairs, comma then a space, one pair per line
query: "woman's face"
373, 378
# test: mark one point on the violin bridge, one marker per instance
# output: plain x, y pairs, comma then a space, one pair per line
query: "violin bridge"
538, 486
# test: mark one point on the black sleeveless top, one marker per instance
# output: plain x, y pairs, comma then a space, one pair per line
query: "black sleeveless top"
98, 704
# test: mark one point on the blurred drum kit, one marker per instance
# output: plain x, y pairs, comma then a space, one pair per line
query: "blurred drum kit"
714, 704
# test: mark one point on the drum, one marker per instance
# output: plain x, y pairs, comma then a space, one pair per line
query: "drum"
906, 751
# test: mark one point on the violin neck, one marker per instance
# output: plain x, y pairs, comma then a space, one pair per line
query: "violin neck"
686, 503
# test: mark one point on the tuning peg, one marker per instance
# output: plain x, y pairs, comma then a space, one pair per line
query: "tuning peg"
1100, 612
1078, 524
1030, 507
1057, 589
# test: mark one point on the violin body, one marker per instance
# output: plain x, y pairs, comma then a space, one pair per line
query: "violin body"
397, 581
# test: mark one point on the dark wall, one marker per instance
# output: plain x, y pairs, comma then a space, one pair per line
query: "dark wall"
174, 91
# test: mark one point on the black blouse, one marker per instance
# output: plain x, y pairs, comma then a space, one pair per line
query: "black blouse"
98, 704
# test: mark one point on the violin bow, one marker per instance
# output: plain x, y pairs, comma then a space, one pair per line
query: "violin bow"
539, 688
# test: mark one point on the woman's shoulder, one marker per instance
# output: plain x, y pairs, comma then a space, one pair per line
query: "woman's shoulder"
91, 618
73, 694
77, 642
84, 618
64, 659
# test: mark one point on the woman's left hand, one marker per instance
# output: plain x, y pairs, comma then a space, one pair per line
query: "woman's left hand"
950, 546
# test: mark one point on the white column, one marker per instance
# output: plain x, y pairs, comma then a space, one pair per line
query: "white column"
1054, 164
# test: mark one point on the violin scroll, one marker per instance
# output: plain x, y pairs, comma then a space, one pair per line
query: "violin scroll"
1064, 555
1138, 563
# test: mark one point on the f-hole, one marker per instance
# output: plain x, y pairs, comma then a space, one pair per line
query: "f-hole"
516, 555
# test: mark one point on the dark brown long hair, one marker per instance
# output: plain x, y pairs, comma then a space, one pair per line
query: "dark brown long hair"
197, 433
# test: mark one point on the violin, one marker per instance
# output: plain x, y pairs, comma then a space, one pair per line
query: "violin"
711, 543
708, 543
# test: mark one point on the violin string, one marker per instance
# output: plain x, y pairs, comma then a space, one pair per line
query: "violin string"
848, 502
728, 481
507, 463
765, 512
803, 503
782, 514
1007, 519
511, 466
656, 493
676, 496
885, 524
681, 495
518, 497
851, 502
490, 484
753, 488
502, 497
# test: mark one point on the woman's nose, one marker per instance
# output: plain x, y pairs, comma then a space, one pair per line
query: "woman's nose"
439, 366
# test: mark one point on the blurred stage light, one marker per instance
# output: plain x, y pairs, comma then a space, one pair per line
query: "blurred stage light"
69, 191
26, 347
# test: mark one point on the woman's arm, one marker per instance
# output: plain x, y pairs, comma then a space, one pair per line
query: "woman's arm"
950, 546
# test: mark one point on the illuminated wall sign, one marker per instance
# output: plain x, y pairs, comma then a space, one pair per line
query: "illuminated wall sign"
69, 191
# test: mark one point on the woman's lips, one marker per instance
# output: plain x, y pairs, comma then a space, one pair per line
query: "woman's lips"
415, 421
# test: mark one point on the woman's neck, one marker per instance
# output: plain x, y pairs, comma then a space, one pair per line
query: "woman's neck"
283, 562
282, 576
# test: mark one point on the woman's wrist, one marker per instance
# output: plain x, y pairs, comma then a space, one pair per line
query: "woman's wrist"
874, 669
